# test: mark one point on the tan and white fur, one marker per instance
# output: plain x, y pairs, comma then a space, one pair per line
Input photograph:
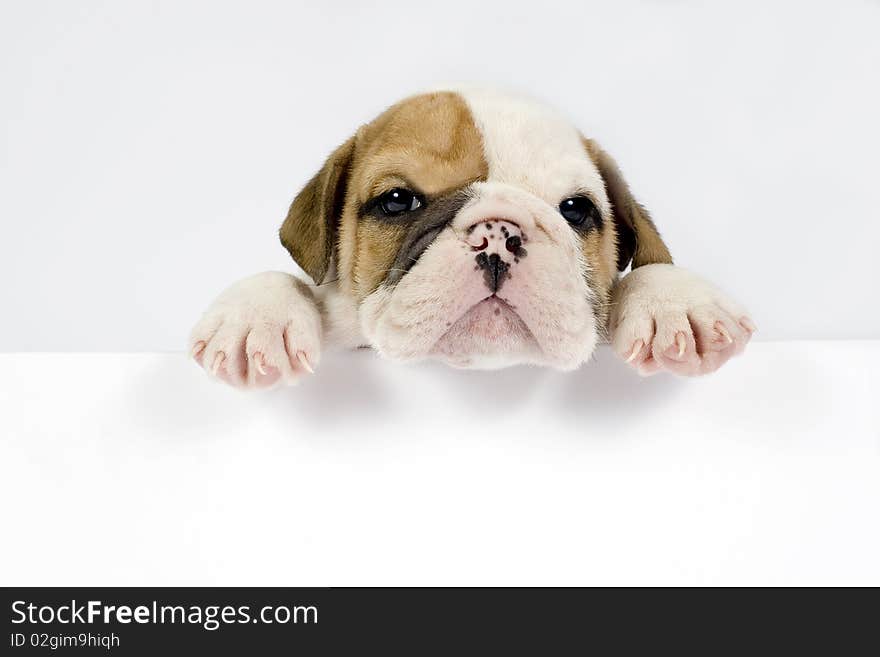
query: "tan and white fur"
485, 273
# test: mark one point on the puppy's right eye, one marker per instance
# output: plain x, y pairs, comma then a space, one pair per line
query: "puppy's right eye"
579, 211
398, 200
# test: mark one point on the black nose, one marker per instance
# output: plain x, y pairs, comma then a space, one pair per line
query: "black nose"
495, 270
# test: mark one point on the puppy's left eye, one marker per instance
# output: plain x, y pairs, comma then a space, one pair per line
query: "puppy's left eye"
579, 211
398, 200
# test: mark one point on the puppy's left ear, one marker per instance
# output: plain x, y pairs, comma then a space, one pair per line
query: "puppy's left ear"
638, 239
309, 232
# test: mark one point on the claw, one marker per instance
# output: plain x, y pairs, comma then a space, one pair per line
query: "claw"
197, 348
637, 347
681, 341
748, 324
722, 330
260, 363
218, 362
304, 361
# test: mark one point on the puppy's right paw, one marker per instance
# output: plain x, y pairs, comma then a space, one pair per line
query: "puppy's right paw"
666, 318
262, 331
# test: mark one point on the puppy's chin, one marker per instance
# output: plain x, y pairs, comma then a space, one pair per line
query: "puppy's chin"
490, 335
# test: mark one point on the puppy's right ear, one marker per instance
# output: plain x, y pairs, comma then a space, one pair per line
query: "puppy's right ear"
309, 231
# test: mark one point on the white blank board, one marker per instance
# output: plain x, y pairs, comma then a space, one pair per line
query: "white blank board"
135, 469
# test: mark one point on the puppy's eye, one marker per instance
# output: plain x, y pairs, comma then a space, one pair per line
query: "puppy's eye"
579, 211
398, 200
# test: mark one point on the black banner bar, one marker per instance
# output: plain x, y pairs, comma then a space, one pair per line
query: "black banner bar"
314, 621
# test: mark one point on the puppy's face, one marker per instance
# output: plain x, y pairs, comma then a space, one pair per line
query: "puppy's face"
476, 228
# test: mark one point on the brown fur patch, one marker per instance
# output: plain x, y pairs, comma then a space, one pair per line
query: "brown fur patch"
376, 247
599, 247
428, 143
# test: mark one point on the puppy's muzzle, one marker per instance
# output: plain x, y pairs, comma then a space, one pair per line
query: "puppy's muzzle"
499, 247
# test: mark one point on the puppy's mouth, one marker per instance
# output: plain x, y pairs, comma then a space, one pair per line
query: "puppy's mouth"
489, 329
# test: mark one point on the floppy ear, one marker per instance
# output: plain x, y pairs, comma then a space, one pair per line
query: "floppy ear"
637, 236
309, 231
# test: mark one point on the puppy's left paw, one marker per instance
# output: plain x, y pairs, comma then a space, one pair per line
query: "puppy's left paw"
666, 318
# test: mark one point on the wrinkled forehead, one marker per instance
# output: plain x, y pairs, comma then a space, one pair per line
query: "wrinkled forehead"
446, 140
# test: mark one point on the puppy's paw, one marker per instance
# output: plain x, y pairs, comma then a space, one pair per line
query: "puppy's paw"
262, 331
665, 318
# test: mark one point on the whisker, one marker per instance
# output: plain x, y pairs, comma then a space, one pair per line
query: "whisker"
335, 280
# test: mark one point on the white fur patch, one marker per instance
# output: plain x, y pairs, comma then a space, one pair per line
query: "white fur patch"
531, 146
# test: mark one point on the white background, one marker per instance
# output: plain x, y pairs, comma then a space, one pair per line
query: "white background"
149, 151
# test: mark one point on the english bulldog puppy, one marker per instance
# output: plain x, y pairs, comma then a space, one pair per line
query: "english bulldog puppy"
479, 229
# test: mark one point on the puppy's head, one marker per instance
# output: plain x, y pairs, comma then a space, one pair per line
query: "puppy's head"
476, 228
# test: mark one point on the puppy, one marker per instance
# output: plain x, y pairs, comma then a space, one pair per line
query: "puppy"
475, 228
